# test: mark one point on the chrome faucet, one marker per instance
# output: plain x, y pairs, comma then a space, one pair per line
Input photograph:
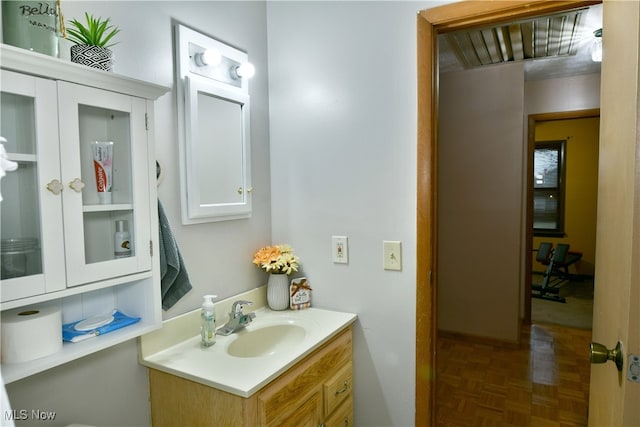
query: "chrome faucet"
237, 319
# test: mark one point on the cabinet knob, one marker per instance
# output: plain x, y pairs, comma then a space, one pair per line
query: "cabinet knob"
76, 185
345, 387
240, 190
55, 186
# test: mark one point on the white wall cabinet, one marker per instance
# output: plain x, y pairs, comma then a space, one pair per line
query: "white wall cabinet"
57, 237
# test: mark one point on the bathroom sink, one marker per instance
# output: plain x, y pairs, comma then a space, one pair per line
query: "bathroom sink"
244, 362
266, 340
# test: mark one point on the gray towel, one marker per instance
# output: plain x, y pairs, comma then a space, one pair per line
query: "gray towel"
174, 277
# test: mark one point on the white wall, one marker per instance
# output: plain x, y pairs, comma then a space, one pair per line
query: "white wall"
343, 136
342, 110
110, 388
480, 176
540, 96
342, 91
563, 94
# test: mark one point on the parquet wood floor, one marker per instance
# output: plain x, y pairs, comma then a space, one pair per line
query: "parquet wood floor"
543, 382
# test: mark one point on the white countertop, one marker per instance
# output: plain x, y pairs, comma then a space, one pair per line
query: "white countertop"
243, 376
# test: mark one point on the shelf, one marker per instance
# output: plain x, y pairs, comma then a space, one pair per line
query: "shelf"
34, 63
71, 291
22, 158
108, 208
70, 351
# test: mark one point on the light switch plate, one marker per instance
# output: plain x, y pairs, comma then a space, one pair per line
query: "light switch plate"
392, 252
340, 249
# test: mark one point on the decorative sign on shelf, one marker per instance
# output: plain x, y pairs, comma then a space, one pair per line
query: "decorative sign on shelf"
300, 294
31, 25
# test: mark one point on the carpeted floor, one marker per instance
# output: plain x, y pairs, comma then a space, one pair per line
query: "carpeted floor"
577, 312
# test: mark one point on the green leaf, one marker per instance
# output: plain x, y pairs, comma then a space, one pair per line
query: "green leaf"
95, 31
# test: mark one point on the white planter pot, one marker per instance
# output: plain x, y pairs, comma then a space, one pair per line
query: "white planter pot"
92, 56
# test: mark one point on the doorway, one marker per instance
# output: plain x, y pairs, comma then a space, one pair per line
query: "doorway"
571, 303
430, 23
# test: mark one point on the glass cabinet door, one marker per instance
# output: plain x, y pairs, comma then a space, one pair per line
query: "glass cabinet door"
31, 249
104, 164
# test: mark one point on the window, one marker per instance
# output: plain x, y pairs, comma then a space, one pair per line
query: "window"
548, 189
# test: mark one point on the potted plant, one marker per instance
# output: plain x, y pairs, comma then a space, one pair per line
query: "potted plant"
92, 42
279, 261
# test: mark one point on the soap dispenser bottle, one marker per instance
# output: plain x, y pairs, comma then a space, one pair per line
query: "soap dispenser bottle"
208, 322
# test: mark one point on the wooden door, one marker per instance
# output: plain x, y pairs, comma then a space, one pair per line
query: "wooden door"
613, 399
613, 402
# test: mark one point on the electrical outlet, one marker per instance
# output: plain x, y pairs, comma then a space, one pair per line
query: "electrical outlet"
392, 252
340, 249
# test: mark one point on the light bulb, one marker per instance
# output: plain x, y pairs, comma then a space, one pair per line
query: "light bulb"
596, 50
246, 70
210, 57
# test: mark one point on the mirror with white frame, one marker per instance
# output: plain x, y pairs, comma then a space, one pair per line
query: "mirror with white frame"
213, 124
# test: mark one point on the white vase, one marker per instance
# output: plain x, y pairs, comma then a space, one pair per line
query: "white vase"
278, 291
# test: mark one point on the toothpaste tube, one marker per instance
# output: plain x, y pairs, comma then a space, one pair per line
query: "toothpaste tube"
103, 167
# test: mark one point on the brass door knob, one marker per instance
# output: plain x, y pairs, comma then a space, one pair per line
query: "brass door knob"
598, 353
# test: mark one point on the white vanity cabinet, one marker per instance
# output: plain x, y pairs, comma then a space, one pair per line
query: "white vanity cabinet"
57, 238
315, 391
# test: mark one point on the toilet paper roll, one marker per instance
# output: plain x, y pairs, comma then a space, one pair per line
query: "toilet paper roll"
30, 333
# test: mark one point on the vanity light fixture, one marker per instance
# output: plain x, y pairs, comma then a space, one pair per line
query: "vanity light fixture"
221, 64
209, 57
596, 48
246, 70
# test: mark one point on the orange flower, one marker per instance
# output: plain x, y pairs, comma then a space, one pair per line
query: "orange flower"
266, 255
276, 259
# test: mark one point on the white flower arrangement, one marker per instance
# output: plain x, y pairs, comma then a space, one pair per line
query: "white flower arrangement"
276, 259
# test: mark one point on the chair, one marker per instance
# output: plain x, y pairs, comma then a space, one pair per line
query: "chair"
544, 253
557, 261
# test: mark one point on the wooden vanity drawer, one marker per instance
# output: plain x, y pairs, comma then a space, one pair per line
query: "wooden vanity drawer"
338, 389
343, 417
278, 400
